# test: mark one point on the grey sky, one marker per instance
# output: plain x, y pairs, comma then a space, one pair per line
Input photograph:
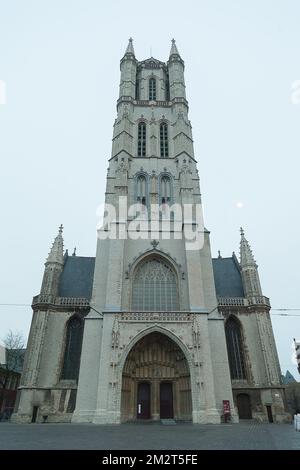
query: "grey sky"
60, 63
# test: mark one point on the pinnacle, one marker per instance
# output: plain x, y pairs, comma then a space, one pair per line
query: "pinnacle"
56, 254
246, 255
174, 50
130, 49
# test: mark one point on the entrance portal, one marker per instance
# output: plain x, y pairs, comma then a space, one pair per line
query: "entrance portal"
156, 381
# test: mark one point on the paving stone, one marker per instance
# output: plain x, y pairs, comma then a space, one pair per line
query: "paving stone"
251, 436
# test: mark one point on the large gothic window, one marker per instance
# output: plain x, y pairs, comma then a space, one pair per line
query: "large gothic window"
152, 89
235, 349
72, 355
141, 190
164, 144
154, 287
142, 139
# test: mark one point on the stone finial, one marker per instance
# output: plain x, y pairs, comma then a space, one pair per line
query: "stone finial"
74, 252
154, 243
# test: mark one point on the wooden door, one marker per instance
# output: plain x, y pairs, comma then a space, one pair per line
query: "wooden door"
270, 414
166, 400
143, 400
244, 406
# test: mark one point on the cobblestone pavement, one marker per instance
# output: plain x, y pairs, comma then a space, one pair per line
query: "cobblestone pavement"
248, 435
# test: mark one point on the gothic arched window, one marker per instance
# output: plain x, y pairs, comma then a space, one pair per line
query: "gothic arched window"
164, 144
152, 89
73, 346
235, 349
141, 190
154, 287
142, 139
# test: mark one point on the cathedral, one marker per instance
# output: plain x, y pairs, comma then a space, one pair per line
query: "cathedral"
153, 327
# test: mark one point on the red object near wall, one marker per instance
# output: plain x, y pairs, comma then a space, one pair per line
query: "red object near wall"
226, 410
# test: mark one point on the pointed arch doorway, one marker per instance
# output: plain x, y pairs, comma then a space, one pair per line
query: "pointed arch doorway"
156, 381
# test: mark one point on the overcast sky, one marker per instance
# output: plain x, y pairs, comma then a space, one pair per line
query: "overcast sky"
60, 63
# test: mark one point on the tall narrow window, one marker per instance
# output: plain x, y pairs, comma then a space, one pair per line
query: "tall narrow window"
167, 85
142, 190
154, 287
164, 144
72, 355
152, 89
137, 89
142, 139
235, 349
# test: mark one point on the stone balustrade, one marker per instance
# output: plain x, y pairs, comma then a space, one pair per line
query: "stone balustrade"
243, 302
61, 301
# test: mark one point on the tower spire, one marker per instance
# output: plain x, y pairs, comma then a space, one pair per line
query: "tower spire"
53, 267
246, 255
250, 274
130, 49
174, 50
56, 254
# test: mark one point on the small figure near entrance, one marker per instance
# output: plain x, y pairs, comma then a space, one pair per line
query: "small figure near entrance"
226, 411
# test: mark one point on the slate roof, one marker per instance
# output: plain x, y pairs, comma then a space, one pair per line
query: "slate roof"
288, 378
76, 279
228, 279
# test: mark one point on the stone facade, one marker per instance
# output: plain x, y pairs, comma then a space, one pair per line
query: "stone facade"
150, 362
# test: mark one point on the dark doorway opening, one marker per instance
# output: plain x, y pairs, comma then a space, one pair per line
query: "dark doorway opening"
270, 414
244, 406
34, 414
143, 400
166, 400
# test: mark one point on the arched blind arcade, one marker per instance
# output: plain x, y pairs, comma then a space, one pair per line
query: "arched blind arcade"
165, 190
235, 349
154, 287
141, 190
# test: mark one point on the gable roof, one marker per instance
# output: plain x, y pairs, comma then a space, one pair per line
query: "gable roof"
76, 280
